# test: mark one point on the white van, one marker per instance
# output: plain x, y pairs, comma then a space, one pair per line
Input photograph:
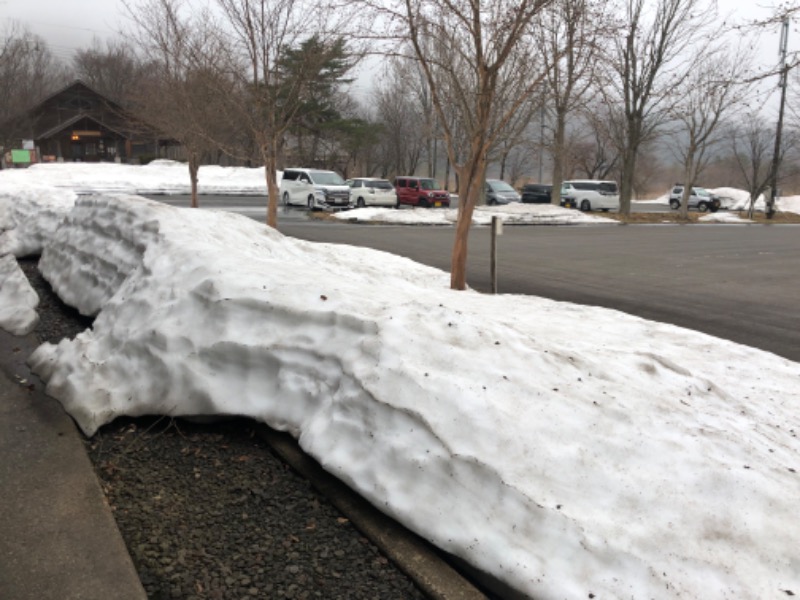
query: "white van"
591, 194
314, 189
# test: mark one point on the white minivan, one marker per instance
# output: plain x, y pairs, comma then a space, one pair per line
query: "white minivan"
591, 194
315, 189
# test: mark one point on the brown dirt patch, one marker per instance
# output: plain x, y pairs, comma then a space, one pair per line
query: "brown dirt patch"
694, 217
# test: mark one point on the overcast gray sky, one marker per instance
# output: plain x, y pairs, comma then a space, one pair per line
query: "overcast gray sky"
72, 24
69, 25
66, 25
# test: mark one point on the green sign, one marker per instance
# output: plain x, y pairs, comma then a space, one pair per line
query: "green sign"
20, 156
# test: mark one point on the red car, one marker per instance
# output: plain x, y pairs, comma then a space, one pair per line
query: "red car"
420, 191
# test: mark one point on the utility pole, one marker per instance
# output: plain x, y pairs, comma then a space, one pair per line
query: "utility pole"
776, 156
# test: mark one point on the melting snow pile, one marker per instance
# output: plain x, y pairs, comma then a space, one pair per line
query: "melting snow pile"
516, 213
29, 216
18, 300
567, 450
157, 177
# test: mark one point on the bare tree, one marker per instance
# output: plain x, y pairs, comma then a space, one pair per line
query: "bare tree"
712, 88
28, 73
479, 60
516, 138
415, 86
519, 161
183, 92
571, 33
596, 154
650, 61
401, 147
258, 34
114, 71
750, 144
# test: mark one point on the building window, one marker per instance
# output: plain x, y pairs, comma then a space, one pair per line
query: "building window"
88, 149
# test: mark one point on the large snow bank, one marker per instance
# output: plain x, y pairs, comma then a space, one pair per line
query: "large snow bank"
568, 450
18, 300
29, 215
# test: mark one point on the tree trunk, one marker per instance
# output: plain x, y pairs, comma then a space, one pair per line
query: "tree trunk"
688, 183
558, 157
626, 183
471, 179
194, 167
269, 152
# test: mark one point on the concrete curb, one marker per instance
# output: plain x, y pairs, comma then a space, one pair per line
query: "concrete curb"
413, 555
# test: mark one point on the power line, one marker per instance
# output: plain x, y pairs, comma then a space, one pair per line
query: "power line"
59, 26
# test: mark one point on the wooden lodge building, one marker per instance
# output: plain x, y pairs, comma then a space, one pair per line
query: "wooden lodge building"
78, 123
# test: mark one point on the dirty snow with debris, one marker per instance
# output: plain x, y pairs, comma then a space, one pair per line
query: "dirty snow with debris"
565, 449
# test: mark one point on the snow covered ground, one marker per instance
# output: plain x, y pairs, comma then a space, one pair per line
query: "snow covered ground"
570, 451
511, 214
734, 199
157, 177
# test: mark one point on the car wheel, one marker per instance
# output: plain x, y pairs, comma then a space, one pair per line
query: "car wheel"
674, 204
423, 203
286, 198
311, 203
491, 202
360, 203
586, 206
702, 207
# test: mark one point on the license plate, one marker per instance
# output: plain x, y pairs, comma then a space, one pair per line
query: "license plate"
437, 204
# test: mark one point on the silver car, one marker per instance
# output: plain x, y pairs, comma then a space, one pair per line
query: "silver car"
701, 199
499, 192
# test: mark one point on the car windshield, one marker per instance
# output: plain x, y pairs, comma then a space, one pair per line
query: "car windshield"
326, 178
381, 184
500, 186
428, 184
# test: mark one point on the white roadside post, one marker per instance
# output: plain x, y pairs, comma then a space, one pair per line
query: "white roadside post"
497, 229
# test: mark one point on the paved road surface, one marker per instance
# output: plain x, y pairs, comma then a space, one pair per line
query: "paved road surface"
736, 282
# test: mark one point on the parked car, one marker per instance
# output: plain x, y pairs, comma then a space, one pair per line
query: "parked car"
701, 199
371, 191
537, 193
499, 192
591, 194
315, 189
420, 191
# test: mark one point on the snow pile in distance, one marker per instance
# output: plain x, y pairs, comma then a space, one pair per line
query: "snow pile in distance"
567, 450
157, 177
515, 213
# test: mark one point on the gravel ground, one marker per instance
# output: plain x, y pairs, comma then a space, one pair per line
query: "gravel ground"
209, 511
